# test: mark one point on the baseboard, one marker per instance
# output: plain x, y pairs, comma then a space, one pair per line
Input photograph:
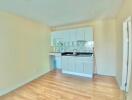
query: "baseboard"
79, 74
118, 83
6, 91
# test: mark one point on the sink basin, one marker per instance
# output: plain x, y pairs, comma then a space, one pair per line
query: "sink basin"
69, 54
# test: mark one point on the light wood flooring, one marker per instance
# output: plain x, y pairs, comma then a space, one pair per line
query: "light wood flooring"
56, 86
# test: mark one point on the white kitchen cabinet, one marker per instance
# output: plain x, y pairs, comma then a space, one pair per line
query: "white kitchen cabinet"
55, 60
68, 63
69, 35
72, 35
71, 64
88, 69
79, 67
56, 37
65, 63
82, 66
80, 34
65, 36
58, 62
84, 34
88, 34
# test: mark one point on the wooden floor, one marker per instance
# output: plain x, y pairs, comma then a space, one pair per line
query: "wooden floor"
56, 86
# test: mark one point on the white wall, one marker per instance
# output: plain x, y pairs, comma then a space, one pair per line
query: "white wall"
24, 48
125, 11
105, 47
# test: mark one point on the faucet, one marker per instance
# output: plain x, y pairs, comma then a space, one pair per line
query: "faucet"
74, 51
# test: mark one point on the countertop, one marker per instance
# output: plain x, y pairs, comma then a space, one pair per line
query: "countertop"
89, 55
55, 53
78, 54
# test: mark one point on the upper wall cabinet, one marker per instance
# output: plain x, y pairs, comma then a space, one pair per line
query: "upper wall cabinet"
88, 32
69, 35
66, 35
72, 35
80, 34
56, 37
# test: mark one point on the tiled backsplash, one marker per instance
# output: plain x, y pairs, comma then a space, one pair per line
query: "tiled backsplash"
79, 46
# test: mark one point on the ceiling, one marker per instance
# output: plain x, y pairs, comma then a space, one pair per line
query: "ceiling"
62, 12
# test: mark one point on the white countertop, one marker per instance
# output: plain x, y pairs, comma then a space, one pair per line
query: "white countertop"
55, 53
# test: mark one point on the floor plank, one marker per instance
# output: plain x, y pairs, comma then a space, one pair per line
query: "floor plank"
57, 86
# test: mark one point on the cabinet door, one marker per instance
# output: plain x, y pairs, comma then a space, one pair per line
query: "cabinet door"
88, 68
84, 65
71, 64
79, 64
79, 34
58, 62
79, 67
68, 63
56, 37
73, 34
65, 63
88, 34
66, 36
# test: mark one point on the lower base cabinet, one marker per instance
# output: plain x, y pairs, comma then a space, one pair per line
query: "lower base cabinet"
81, 66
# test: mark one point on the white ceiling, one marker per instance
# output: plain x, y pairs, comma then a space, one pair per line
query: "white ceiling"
61, 12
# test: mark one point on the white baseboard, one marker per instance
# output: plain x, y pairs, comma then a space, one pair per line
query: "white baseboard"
79, 74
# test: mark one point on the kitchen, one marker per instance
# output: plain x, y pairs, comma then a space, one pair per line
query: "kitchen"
73, 51
65, 49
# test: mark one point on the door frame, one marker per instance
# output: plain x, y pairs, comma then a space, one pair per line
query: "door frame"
127, 53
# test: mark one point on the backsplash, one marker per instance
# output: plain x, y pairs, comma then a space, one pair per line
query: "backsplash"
70, 46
